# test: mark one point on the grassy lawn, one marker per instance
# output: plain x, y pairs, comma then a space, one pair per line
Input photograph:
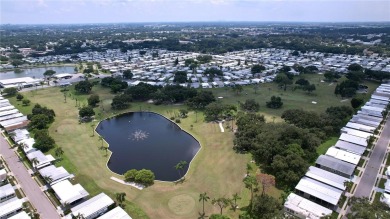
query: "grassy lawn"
327, 144
298, 99
217, 169
382, 183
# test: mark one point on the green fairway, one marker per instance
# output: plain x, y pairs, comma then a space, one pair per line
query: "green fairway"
216, 169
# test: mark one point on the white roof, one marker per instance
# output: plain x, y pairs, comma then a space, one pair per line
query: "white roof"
356, 133
62, 75
387, 186
10, 206
319, 190
10, 116
20, 134
8, 112
43, 160
326, 177
20, 215
353, 139
55, 173
360, 127
68, 193
305, 207
18, 80
116, 213
28, 145
372, 108
6, 108
353, 148
13, 121
343, 155
92, 205
6, 190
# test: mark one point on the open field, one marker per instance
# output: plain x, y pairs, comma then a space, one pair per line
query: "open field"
217, 169
298, 99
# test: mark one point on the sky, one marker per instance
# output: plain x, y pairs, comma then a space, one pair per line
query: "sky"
128, 11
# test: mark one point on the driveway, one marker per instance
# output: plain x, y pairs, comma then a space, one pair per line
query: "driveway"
34, 194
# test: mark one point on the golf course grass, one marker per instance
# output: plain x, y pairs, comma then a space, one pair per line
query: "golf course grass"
216, 169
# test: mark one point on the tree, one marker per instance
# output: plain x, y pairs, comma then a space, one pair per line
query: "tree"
251, 184
331, 75
48, 179
16, 63
257, 69
183, 113
127, 74
180, 77
121, 101
201, 100
309, 88
203, 197
83, 87
39, 121
26, 102
43, 141
356, 102
237, 89
180, 166
120, 197
221, 202
35, 162
283, 80
19, 97
275, 103
266, 181
93, 100
145, 177
49, 73
302, 82
218, 216
10, 91
130, 175
101, 139
265, 207
216, 110
59, 152
86, 111
176, 62
362, 208
355, 67
250, 105
234, 201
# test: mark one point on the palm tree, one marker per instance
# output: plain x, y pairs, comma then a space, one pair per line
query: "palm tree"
101, 139
251, 184
203, 197
35, 162
120, 197
221, 202
22, 145
93, 129
180, 167
48, 179
59, 152
235, 198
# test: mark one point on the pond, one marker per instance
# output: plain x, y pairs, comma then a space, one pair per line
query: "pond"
145, 140
35, 72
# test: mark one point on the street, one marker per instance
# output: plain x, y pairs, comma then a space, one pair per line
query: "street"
369, 176
34, 194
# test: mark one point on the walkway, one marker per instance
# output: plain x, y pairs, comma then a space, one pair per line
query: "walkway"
34, 194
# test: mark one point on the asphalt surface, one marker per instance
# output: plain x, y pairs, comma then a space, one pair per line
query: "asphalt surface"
34, 194
367, 182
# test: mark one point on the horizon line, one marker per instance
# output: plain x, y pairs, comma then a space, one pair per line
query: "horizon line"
184, 22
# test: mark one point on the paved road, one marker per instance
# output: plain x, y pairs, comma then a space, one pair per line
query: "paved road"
29, 186
369, 176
